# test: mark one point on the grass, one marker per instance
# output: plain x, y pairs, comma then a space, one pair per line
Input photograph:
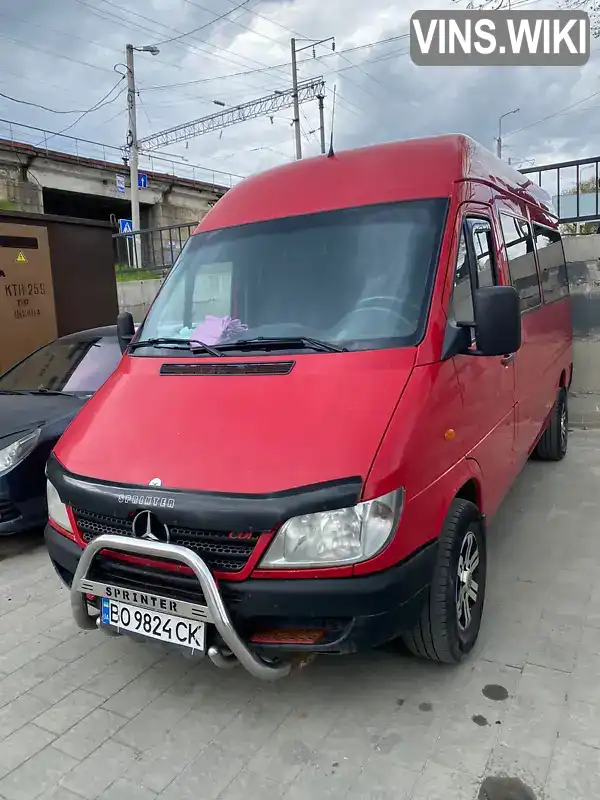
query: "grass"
124, 274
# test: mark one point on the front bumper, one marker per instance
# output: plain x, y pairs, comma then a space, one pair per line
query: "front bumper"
357, 613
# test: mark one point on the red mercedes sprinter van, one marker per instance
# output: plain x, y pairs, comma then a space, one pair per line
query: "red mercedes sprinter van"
341, 377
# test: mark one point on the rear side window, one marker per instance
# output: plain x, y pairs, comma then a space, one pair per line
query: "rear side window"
521, 260
551, 260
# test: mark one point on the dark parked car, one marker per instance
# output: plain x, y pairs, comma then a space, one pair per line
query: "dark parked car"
39, 397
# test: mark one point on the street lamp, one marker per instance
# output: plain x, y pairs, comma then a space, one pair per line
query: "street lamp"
499, 143
133, 142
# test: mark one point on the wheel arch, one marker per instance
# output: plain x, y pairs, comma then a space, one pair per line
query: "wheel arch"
566, 377
471, 491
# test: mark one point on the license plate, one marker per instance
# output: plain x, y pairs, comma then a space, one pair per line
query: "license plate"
154, 624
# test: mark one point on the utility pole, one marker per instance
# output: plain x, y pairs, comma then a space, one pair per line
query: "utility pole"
499, 140
313, 44
296, 103
133, 144
320, 98
133, 155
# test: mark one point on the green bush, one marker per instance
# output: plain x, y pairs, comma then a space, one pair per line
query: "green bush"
124, 274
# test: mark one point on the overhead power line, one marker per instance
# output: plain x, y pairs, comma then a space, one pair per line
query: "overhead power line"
554, 114
202, 27
153, 32
276, 66
235, 21
264, 106
60, 111
26, 46
73, 38
22, 77
104, 101
255, 14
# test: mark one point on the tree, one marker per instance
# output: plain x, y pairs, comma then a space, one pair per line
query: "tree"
585, 228
586, 186
591, 6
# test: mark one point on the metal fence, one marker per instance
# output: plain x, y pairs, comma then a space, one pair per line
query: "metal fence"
573, 186
153, 250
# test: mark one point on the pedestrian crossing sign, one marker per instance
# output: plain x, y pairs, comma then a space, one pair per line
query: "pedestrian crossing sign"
125, 226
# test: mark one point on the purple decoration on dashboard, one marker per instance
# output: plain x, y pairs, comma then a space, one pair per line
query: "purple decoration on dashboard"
217, 329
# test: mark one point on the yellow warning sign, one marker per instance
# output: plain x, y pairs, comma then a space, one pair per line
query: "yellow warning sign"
21, 258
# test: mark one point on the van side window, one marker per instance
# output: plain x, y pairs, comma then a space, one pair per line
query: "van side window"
461, 304
475, 267
521, 260
483, 245
551, 260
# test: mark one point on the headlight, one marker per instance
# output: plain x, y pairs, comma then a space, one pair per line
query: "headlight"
331, 538
16, 451
57, 510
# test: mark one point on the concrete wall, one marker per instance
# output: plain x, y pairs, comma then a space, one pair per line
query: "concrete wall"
211, 295
17, 193
583, 258
136, 296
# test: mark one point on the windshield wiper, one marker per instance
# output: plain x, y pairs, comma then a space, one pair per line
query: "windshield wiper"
285, 341
195, 345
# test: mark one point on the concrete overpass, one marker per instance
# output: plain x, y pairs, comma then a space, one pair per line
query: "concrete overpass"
40, 180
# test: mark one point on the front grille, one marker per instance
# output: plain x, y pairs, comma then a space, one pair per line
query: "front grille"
8, 511
216, 548
146, 579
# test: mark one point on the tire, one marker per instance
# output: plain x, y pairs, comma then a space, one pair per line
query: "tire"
554, 441
442, 634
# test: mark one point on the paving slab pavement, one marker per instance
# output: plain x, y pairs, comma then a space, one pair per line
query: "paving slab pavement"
85, 717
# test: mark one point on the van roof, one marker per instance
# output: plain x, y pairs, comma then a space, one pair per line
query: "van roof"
407, 170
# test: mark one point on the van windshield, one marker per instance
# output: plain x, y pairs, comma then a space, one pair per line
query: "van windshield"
358, 278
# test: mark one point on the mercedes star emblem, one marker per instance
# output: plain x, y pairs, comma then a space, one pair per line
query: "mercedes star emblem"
146, 525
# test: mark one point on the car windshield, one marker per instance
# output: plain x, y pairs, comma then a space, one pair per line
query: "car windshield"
358, 278
79, 366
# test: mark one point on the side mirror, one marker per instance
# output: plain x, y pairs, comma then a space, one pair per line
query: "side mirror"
125, 329
497, 321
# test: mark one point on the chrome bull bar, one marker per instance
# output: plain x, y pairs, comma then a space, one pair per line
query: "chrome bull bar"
219, 615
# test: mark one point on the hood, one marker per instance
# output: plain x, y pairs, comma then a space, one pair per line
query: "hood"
249, 434
24, 412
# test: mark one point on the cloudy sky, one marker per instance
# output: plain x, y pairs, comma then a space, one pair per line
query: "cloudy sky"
62, 54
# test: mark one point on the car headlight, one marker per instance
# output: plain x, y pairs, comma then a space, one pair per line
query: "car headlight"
17, 450
57, 510
341, 536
